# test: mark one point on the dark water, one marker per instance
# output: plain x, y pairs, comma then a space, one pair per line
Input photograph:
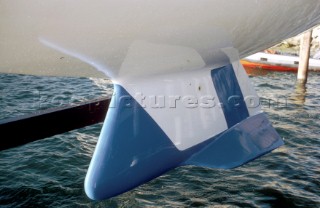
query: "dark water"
50, 172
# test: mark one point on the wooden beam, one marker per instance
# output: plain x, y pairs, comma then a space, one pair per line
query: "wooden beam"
42, 124
305, 44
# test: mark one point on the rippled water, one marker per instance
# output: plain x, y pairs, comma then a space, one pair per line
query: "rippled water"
50, 172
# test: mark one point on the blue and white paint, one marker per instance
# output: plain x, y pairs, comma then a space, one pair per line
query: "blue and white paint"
181, 95
186, 119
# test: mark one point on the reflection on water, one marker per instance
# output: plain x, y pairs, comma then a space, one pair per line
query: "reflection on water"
299, 96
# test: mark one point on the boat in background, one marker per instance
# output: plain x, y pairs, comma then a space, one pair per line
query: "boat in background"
277, 62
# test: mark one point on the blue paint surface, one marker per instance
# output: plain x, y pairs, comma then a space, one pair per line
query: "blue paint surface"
238, 145
230, 95
133, 149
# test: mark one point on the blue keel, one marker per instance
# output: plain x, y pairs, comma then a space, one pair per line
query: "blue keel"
133, 148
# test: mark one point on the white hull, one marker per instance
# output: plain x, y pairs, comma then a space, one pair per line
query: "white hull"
114, 38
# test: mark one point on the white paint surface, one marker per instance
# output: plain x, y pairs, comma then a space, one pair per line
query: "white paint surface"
104, 32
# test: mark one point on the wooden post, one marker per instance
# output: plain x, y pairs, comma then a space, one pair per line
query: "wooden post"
304, 57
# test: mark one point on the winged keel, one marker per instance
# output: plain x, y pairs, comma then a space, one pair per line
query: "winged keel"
144, 137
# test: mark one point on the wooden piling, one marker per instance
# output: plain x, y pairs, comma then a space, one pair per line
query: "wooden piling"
304, 57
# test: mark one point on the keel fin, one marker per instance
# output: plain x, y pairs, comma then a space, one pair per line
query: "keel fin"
238, 145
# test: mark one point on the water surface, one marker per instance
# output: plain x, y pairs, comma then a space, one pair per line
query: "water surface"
50, 172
